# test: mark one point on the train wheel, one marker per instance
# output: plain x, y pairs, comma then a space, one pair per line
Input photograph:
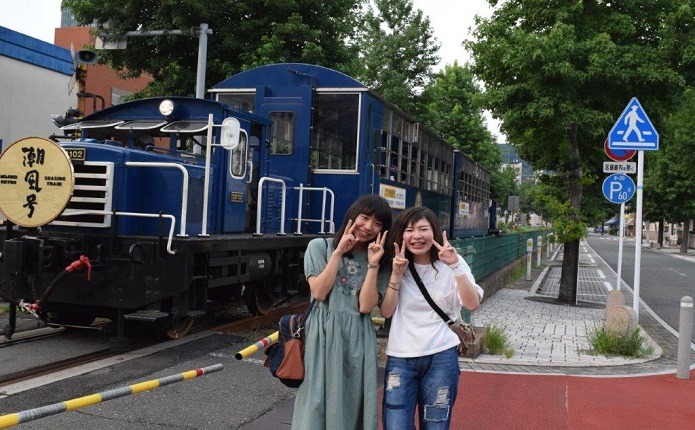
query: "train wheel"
258, 301
180, 329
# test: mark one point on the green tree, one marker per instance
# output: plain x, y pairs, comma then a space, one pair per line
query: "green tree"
397, 51
503, 185
449, 105
557, 74
670, 179
246, 33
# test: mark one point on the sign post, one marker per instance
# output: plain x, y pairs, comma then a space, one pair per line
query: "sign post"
634, 131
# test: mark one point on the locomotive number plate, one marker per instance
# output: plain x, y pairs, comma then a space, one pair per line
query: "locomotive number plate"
236, 197
77, 154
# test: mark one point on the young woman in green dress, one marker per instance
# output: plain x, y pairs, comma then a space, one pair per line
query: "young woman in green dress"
347, 277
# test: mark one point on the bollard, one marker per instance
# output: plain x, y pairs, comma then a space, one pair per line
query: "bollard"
529, 253
685, 333
547, 245
540, 248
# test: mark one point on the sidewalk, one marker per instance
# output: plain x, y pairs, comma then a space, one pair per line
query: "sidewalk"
551, 381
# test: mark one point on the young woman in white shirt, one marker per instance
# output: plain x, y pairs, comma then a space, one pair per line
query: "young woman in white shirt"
422, 367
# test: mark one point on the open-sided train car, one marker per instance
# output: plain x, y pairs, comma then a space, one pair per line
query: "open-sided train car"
150, 229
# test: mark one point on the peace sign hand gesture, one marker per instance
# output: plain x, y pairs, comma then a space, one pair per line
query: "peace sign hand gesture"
400, 262
348, 241
375, 250
447, 253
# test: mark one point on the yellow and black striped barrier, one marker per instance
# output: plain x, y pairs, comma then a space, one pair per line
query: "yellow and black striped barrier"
273, 338
10, 420
263, 343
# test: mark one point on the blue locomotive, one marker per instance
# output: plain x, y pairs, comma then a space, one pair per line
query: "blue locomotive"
173, 202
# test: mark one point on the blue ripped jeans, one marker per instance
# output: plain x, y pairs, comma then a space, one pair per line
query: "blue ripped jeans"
430, 382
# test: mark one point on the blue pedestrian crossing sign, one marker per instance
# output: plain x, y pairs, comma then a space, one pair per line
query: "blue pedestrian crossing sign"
633, 130
618, 188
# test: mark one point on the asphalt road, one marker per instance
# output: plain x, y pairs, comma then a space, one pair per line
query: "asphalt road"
664, 278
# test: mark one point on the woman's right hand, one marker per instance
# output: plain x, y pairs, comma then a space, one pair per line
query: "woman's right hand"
348, 241
400, 262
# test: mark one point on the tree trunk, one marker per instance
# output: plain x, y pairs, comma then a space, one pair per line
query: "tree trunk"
570, 272
661, 233
686, 236
570, 259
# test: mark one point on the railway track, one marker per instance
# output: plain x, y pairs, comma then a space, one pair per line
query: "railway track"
267, 319
260, 320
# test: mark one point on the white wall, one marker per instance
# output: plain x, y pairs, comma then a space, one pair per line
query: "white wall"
28, 96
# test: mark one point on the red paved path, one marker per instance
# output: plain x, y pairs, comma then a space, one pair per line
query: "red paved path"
507, 401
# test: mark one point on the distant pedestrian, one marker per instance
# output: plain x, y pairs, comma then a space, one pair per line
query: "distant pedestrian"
347, 277
422, 366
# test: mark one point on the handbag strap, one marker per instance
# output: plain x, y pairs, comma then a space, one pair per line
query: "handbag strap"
305, 316
423, 290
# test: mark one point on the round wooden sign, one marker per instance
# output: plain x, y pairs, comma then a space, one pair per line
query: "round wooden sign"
36, 181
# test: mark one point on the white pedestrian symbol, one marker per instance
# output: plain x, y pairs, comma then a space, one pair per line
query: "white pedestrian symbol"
633, 118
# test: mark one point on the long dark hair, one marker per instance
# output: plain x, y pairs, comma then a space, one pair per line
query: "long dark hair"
411, 216
370, 204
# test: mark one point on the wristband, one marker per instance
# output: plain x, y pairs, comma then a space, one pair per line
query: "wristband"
372, 266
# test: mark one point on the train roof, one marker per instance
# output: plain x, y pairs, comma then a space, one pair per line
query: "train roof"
290, 74
192, 107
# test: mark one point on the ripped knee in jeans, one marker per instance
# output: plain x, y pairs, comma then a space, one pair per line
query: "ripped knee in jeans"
393, 381
439, 410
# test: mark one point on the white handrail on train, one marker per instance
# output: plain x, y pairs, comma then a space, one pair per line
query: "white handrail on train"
259, 204
326, 191
172, 218
206, 181
184, 188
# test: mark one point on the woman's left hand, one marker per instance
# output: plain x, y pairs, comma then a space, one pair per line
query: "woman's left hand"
375, 250
447, 253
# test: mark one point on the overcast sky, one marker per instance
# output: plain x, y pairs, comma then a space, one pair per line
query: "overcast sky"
451, 20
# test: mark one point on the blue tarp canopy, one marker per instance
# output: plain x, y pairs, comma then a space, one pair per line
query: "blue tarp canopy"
614, 220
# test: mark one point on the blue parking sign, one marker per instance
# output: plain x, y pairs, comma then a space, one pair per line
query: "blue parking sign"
618, 188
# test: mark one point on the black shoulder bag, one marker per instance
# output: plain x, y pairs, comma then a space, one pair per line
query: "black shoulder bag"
462, 330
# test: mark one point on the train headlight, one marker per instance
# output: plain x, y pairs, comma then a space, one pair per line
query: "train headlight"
166, 107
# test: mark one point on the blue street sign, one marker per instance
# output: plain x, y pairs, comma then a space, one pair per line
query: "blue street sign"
633, 130
618, 188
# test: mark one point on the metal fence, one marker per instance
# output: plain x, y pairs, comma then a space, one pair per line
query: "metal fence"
485, 255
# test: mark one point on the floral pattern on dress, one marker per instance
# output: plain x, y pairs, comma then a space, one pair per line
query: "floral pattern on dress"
350, 277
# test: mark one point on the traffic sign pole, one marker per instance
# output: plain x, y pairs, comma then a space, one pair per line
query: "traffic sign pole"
638, 233
620, 245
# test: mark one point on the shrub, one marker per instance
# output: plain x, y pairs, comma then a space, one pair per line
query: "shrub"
608, 343
496, 341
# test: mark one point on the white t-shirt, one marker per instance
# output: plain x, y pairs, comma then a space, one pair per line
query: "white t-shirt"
416, 329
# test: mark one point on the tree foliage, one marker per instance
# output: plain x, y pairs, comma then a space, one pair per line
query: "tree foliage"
397, 50
246, 33
449, 105
558, 73
670, 179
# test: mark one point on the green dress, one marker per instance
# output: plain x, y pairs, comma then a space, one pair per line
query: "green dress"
340, 386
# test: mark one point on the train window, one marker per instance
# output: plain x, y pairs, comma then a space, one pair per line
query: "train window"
93, 124
141, 125
237, 157
422, 163
334, 131
241, 101
414, 165
185, 127
282, 133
